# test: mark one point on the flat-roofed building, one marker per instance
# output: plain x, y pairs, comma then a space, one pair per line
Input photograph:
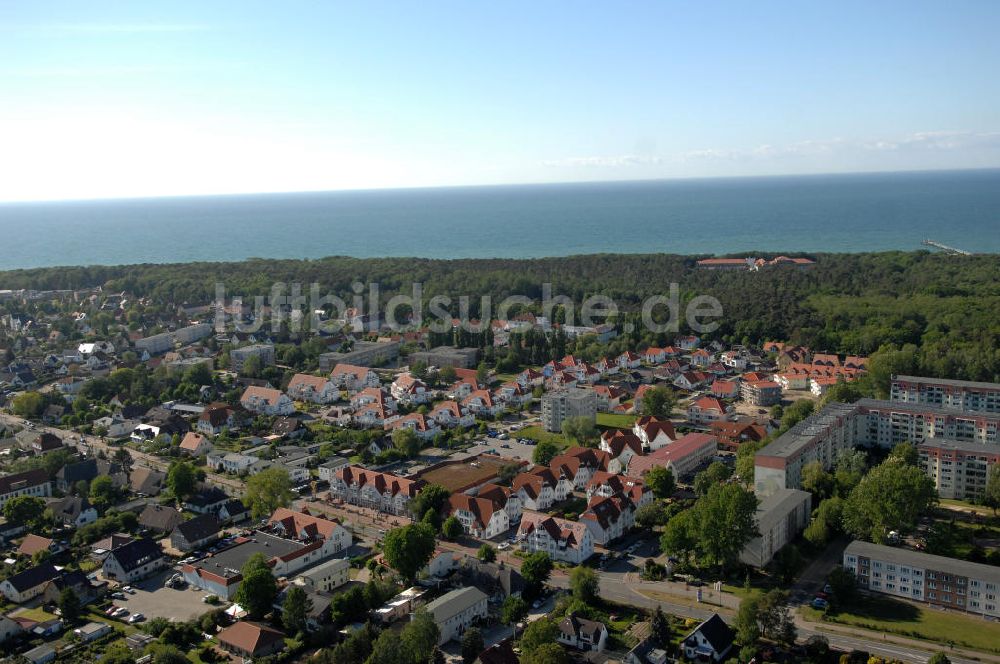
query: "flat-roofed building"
959, 468
363, 354
780, 517
891, 422
947, 583
448, 356
964, 395
819, 437
560, 405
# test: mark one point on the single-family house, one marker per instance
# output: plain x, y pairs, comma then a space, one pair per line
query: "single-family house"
134, 561
710, 641
195, 533
582, 634
251, 640
160, 518
29, 583
654, 432
195, 444
706, 410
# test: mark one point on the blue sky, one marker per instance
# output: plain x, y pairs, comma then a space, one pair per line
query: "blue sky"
103, 99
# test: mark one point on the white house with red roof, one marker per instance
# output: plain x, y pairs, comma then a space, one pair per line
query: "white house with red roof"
689, 342
513, 394
409, 389
691, 380
725, 389
706, 410
450, 414
653, 355
608, 517
353, 378
501, 495
700, 358
654, 432
577, 465
481, 402
629, 360
480, 517
609, 397
368, 488
537, 489
195, 444
309, 528
461, 389
530, 378
314, 389
621, 446
265, 401
420, 424
563, 540
819, 385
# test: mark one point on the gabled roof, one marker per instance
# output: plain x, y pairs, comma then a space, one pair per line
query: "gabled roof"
27, 479
136, 554
198, 528
192, 441
33, 577
208, 496
146, 480
80, 471
303, 525
383, 482
301, 380
575, 626
32, 544
264, 394
482, 509
160, 517
715, 630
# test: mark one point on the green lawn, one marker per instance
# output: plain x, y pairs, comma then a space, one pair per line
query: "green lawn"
537, 433
921, 622
36, 614
617, 420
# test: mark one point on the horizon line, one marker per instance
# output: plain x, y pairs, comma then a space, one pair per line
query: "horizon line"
154, 197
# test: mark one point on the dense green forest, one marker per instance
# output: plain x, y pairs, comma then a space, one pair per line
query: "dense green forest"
948, 307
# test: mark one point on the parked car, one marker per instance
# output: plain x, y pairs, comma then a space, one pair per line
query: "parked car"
136, 617
121, 612
129, 589
117, 595
819, 603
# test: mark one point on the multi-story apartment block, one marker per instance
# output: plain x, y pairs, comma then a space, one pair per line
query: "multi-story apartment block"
568, 541
780, 517
818, 437
961, 395
367, 488
238, 356
760, 392
959, 468
560, 405
947, 583
161, 343
890, 422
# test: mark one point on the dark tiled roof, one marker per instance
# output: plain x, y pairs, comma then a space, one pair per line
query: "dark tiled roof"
33, 577
208, 496
136, 553
198, 528
80, 471
20, 480
160, 518
716, 632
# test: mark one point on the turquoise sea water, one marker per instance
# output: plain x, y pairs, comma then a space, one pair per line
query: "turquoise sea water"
839, 213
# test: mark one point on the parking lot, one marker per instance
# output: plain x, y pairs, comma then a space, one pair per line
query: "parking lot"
154, 601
